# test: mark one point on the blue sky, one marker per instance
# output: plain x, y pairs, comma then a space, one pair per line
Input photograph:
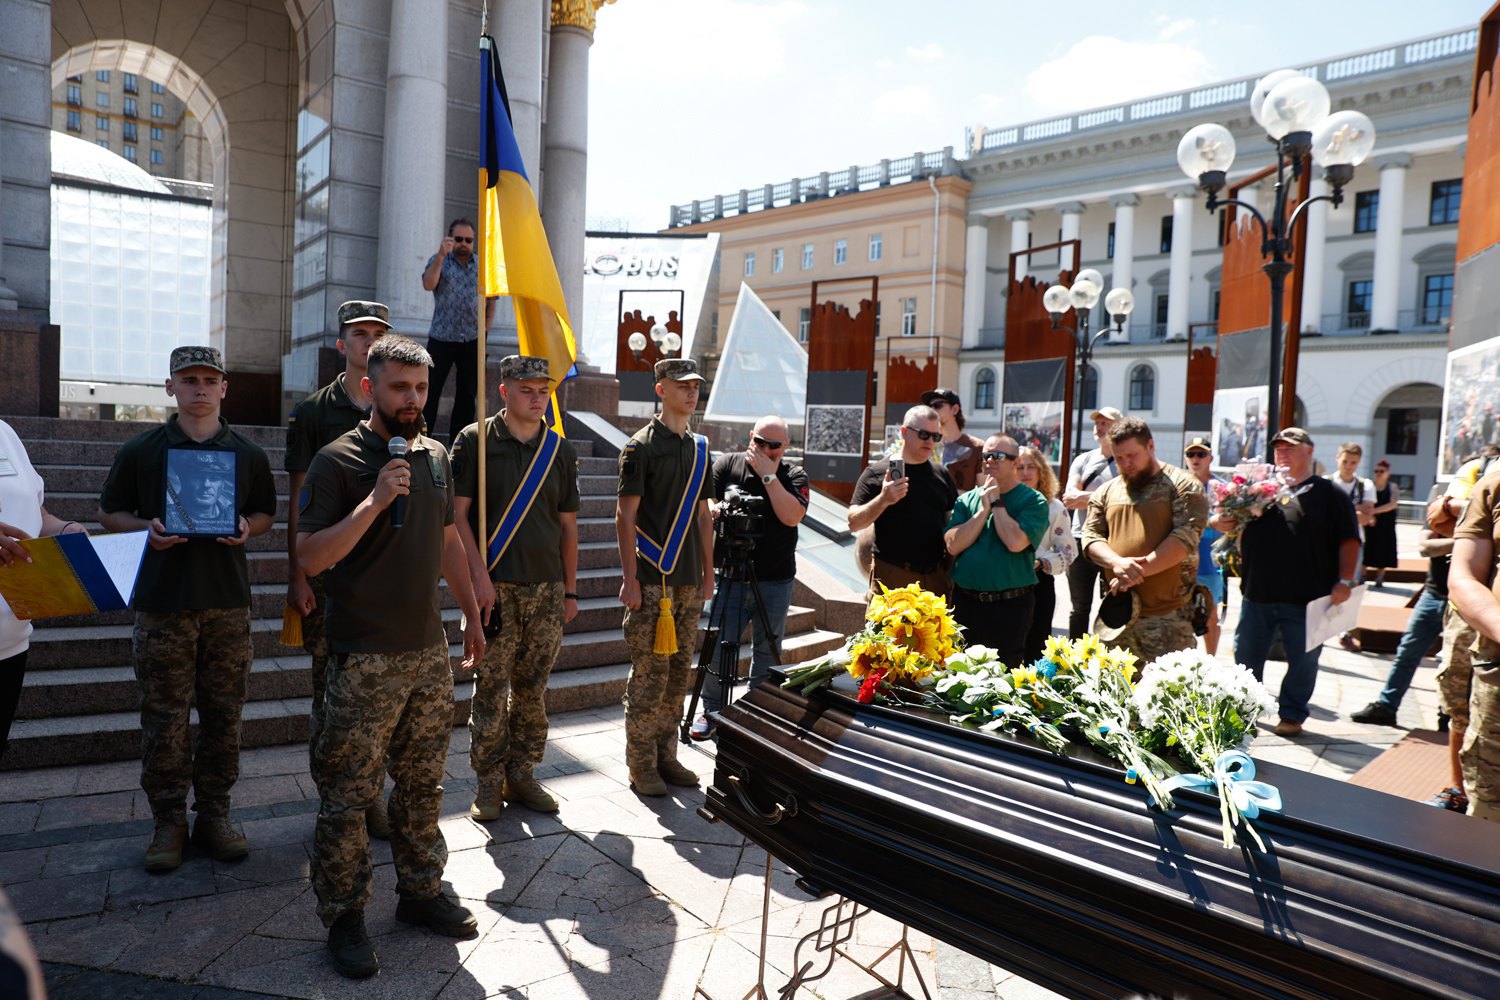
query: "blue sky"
691, 98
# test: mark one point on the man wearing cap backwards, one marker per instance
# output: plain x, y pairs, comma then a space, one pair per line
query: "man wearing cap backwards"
385, 526
1089, 472
1299, 550
328, 414
961, 452
524, 566
1200, 458
1143, 529
665, 534
192, 614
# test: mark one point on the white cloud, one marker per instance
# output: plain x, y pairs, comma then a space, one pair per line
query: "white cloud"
909, 101
1101, 70
928, 52
736, 40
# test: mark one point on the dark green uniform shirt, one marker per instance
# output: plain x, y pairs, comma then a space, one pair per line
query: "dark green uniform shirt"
323, 416
383, 596
534, 555
655, 466
201, 572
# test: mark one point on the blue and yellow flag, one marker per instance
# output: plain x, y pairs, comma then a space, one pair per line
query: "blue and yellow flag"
515, 259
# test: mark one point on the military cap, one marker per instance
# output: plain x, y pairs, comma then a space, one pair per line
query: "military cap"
678, 370
361, 311
519, 366
196, 357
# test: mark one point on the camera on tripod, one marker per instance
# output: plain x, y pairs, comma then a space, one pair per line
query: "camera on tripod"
741, 520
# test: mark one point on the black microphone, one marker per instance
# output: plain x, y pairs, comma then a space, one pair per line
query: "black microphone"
397, 447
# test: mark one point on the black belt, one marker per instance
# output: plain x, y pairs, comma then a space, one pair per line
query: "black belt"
992, 596
909, 566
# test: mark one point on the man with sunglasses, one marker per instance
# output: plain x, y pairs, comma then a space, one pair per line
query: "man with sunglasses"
758, 471
960, 451
907, 498
452, 276
992, 535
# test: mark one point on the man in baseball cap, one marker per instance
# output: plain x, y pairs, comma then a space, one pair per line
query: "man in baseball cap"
1199, 456
195, 357
961, 452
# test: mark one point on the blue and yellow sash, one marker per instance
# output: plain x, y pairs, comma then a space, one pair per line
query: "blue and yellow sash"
525, 495
664, 557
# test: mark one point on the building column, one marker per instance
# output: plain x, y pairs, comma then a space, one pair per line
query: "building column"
1020, 238
1180, 271
565, 144
1072, 219
8, 298
1312, 258
416, 129
976, 258
1123, 269
1386, 294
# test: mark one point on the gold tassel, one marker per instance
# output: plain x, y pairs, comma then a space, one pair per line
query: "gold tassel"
666, 628
291, 627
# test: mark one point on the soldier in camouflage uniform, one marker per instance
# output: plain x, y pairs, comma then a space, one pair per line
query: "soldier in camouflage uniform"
385, 526
192, 614
528, 595
1474, 588
655, 468
330, 413
1142, 529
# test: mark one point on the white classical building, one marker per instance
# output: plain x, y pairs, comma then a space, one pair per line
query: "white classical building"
1379, 269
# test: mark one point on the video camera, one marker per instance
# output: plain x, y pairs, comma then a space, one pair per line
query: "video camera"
741, 520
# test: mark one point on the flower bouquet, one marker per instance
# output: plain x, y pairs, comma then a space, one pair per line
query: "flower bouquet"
977, 689
1244, 496
1206, 710
908, 633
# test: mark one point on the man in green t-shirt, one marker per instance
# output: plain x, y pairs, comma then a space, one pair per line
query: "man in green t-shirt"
192, 613
992, 535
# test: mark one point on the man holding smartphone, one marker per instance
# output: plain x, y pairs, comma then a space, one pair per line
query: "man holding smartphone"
907, 498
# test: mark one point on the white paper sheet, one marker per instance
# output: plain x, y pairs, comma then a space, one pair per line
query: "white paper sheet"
1326, 619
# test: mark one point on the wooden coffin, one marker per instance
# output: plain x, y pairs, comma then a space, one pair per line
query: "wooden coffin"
1056, 869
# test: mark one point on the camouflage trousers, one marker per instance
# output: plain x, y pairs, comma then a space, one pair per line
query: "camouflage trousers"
1455, 675
1480, 751
1156, 635
315, 641
508, 717
657, 685
381, 710
182, 657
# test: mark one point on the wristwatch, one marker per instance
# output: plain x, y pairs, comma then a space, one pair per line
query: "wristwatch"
1348, 583
767, 478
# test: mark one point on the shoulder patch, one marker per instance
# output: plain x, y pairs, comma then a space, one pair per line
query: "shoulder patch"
304, 498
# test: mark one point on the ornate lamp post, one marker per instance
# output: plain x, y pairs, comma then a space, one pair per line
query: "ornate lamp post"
1082, 298
1293, 109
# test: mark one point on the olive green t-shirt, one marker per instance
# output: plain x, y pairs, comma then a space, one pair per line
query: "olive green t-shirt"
534, 554
655, 466
323, 416
200, 573
1134, 520
1480, 523
383, 596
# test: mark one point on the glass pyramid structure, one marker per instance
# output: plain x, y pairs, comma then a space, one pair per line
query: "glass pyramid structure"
762, 368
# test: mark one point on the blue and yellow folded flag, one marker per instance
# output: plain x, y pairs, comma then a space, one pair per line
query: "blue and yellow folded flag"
515, 258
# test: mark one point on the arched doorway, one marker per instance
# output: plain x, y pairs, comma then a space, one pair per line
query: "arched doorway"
1404, 431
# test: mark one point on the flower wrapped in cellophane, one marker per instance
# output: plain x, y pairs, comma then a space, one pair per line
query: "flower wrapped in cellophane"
1206, 711
908, 633
979, 690
1244, 496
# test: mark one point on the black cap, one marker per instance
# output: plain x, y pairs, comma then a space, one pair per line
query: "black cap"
946, 395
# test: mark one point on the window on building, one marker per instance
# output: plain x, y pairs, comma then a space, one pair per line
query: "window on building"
157, 88
156, 133
807, 256
778, 260
1109, 247
984, 389
877, 319
131, 133
749, 265
156, 158
157, 110
1142, 388
1437, 299
1403, 428
1223, 236
804, 323
1090, 391
1366, 208
101, 123
1213, 305
102, 143
131, 154
75, 95
1166, 234
131, 85
840, 251
909, 317
877, 246
101, 99
1159, 319
130, 109
1357, 304
75, 121
102, 76
1445, 198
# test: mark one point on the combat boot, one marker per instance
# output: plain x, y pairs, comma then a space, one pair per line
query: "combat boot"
437, 913
220, 838
646, 781
378, 820
165, 852
673, 772
487, 804
521, 787
349, 945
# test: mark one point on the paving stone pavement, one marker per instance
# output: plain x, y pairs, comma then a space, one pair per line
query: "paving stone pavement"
615, 896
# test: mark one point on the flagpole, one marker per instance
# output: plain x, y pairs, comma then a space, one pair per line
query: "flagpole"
481, 487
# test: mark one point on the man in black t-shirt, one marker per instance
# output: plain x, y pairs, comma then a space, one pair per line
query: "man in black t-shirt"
758, 471
908, 498
1299, 550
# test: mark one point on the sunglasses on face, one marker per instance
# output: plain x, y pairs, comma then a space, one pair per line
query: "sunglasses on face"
926, 435
768, 445
999, 456
1197, 454
463, 239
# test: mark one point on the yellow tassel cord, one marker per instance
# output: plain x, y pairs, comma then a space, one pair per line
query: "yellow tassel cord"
666, 628
291, 627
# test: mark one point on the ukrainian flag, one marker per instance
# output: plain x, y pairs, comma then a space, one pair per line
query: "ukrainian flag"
515, 259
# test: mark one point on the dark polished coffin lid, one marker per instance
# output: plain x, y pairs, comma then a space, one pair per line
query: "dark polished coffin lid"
1056, 869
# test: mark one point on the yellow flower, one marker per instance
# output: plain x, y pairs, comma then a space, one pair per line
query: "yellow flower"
1086, 647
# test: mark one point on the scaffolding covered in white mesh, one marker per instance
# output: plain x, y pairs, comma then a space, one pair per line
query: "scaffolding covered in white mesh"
762, 369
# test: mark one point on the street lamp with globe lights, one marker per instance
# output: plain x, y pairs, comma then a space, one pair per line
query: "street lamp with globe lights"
1293, 109
1081, 298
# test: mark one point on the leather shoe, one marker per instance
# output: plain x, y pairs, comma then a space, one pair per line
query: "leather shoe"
647, 782
165, 852
1450, 798
378, 820
1376, 713
437, 913
674, 773
1287, 727
487, 804
349, 945
220, 838
523, 788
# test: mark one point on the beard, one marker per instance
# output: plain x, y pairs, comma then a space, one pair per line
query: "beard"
1140, 478
408, 429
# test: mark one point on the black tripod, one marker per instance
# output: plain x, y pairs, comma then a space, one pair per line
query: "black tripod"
721, 648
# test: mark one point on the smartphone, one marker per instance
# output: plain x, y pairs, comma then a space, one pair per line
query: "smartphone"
898, 468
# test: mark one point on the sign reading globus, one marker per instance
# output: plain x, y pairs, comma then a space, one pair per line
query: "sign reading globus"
613, 262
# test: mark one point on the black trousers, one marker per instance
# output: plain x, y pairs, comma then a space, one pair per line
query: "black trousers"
1041, 616
1083, 588
12, 677
1000, 625
448, 355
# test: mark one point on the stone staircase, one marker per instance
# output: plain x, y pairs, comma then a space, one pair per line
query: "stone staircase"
80, 703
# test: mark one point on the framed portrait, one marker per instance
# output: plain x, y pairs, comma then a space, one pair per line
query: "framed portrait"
200, 493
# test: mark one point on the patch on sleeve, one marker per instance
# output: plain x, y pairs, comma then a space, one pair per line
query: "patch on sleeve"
304, 498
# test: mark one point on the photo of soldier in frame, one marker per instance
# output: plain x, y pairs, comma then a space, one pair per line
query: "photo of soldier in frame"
200, 493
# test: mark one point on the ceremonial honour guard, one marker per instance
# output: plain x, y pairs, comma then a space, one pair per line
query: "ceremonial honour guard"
664, 529
377, 507
524, 575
